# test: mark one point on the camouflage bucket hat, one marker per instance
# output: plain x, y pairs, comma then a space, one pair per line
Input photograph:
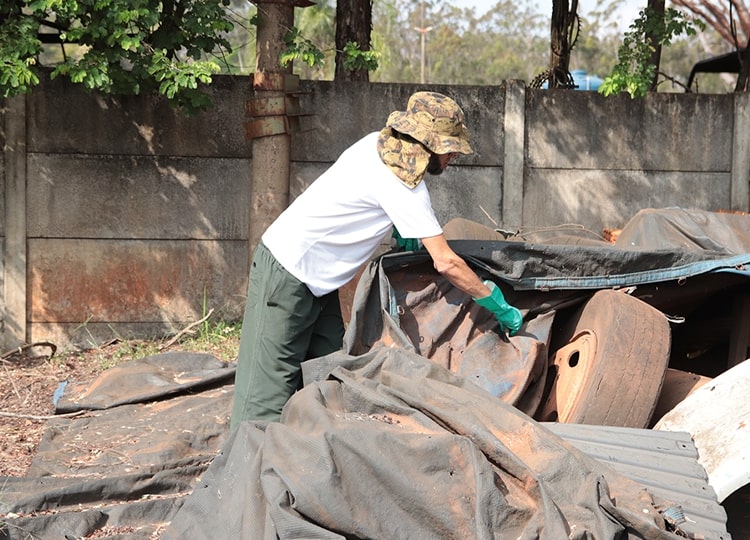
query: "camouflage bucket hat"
434, 120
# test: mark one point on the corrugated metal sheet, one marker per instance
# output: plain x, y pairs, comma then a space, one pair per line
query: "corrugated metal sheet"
665, 463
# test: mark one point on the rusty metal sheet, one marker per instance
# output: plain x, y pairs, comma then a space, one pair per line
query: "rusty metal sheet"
270, 115
665, 463
446, 327
266, 106
272, 106
291, 105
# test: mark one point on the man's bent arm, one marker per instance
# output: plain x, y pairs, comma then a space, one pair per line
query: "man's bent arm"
453, 267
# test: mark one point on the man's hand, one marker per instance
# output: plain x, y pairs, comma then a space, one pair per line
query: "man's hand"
510, 318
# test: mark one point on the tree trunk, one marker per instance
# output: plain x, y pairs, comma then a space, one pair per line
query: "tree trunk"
353, 23
657, 10
743, 77
562, 35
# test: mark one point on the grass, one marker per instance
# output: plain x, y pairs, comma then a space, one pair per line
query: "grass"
220, 338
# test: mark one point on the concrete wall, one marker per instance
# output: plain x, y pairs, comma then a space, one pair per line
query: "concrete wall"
124, 219
614, 156
133, 213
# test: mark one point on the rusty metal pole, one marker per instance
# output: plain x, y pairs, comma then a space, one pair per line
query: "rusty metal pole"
271, 148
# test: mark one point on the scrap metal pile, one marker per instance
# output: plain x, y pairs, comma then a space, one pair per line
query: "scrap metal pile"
431, 423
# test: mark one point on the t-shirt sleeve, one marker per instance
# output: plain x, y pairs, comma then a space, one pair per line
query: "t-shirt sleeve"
411, 211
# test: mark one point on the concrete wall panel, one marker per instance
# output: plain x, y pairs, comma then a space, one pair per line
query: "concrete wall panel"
2, 194
340, 114
607, 198
84, 196
302, 174
468, 192
89, 334
661, 132
2, 224
2, 168
118, 281
64, 118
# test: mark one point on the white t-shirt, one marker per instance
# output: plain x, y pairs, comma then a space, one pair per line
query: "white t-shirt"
337, 224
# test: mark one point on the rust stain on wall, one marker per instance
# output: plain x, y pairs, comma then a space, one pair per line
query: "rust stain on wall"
92, 281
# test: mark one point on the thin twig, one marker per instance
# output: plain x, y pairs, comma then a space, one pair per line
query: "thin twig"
48, 417
12, 383
488, 215
674, 81
185, 330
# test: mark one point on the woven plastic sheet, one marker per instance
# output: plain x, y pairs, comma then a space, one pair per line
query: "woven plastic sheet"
146, 432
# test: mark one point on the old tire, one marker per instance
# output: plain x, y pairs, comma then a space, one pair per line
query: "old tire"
611, 369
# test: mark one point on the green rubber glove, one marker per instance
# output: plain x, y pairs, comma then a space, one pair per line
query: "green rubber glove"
510, 318
406, 244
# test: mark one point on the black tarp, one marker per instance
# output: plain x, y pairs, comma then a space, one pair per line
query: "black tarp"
724, 63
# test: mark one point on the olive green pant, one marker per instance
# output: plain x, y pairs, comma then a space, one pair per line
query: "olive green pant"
284, 324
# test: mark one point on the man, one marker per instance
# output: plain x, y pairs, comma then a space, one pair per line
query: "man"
323, 238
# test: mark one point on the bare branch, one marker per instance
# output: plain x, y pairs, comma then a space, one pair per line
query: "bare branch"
185, 331
717, 15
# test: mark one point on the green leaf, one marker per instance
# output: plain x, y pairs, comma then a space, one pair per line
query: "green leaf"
634, 71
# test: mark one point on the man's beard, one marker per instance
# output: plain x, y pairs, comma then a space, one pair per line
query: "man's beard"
433, 166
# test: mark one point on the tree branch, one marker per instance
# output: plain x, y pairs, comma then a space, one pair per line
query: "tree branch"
185, 331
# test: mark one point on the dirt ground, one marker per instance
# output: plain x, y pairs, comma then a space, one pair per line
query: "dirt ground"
29, 378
